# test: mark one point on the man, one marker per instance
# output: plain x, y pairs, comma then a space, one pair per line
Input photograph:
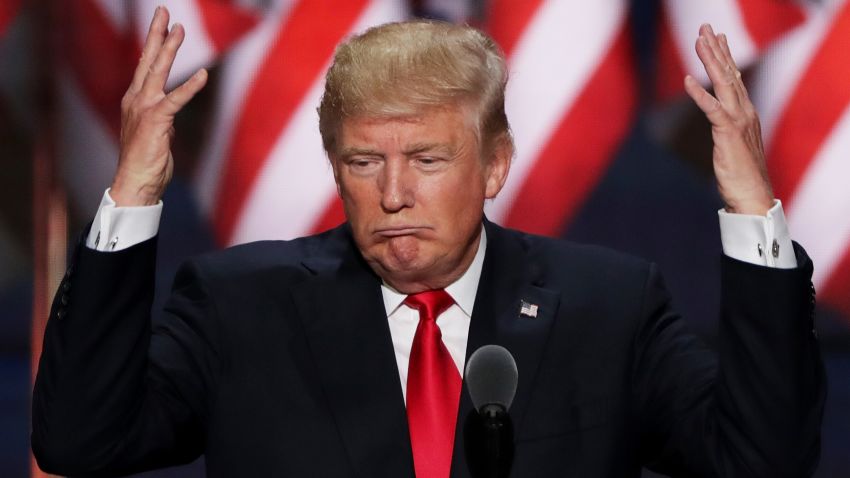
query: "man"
342, 354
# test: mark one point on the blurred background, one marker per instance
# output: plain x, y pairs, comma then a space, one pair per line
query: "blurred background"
609, 149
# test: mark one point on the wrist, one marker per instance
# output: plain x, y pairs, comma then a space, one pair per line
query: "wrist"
126, 194
758, 207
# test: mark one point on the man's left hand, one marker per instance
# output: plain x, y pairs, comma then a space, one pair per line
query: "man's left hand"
738, 156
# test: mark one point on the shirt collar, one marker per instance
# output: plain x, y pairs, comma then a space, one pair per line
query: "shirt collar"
463, 290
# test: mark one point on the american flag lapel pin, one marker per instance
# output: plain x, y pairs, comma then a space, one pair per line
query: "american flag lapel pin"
527, 309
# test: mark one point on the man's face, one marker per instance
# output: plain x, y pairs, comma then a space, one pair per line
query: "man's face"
413, 190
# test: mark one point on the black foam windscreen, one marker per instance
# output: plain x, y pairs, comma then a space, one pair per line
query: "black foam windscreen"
491, 377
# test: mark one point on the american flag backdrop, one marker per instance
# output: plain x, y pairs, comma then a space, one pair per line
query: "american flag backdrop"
568, 62
572, 99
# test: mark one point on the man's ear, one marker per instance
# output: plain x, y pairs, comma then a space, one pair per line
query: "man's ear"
498, 165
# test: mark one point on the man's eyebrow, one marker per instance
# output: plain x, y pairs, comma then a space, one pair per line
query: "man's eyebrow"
426, 147
355, 151
409, 150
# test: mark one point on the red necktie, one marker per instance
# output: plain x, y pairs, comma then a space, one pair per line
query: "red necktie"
433, 389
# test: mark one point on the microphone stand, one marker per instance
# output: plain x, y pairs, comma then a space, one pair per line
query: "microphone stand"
488, 440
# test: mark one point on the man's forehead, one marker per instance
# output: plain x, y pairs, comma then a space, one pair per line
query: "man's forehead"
432, 129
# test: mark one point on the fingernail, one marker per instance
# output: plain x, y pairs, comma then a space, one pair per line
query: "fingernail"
711, 30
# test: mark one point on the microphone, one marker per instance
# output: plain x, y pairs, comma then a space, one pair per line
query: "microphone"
491, 378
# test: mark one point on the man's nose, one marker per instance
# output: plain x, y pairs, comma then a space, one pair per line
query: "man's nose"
398, 184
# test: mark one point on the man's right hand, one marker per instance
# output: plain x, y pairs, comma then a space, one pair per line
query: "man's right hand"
145, 164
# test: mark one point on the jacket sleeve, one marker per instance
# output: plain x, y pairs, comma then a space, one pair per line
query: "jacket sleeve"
752, 410
112, 396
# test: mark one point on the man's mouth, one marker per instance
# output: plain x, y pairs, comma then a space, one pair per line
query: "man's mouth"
399, 231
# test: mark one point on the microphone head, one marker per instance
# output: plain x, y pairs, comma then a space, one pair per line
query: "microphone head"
491, 377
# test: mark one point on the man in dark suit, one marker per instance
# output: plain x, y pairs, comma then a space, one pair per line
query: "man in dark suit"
341, 354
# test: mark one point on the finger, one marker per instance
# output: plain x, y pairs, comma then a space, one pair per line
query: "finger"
153, 42
724, 49
705, 101
733, 74
161, 67
177, 99
730, 60
718, 72
708, 32
730, 74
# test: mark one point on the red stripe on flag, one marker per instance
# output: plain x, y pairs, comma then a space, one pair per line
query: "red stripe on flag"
836, 290
305, 42
225, 23
582, 146
669, 71
820, 97
101, 58
8, 10
508, 19
766, 20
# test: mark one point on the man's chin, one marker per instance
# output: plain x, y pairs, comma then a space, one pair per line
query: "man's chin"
406, 277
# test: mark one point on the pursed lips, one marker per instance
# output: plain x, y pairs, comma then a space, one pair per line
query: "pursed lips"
400, 231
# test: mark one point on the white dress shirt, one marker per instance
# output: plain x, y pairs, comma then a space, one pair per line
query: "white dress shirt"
453, 322
760, 240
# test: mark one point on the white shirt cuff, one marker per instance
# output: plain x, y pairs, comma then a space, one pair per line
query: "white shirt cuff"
760, 240
116, 228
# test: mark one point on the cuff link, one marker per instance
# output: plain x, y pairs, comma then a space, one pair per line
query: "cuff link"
113, 242
774, 249
761, 251
97, 240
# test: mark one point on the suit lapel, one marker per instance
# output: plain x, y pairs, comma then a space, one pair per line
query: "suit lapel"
510, 275
346, 326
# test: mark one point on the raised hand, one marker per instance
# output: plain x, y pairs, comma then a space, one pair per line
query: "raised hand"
738, 156
145, 163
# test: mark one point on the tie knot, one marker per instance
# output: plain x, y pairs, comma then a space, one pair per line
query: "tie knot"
430, 303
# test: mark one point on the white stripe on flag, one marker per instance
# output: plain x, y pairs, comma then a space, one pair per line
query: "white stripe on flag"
724, 16
819, 213
553, 60
781, 68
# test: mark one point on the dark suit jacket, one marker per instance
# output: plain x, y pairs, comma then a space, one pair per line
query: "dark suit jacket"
275, 359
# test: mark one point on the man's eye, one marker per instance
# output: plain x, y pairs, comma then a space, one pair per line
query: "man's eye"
428, 162
363, 165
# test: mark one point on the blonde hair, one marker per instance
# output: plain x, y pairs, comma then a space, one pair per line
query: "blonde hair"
402, 69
